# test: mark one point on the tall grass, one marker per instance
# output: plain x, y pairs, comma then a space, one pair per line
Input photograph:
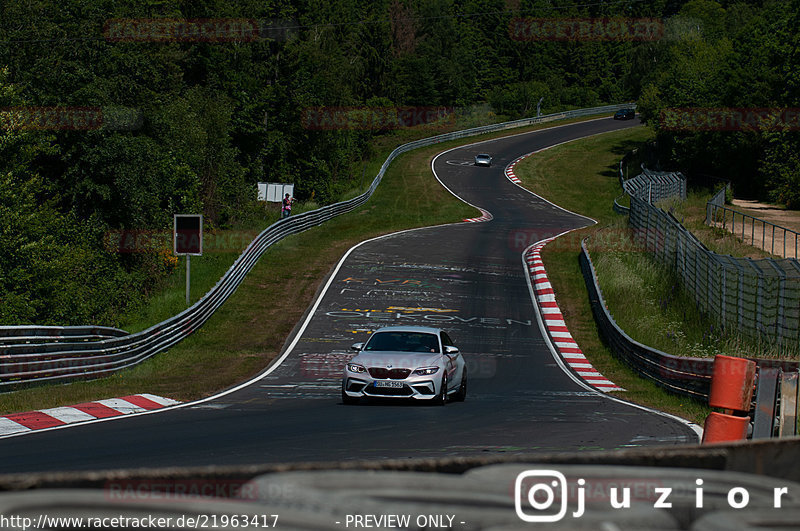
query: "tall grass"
692, 214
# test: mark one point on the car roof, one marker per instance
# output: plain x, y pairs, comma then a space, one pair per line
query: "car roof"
483, 155
422, 329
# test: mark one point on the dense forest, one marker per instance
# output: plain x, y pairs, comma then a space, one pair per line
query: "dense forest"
117, 115
740, 63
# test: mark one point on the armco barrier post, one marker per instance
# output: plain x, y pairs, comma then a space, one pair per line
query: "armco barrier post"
788, 403
731, 390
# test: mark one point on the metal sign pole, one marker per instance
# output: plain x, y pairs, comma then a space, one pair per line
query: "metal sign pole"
188, 240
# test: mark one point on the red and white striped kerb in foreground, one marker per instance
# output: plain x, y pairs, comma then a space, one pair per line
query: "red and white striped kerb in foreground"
61, 416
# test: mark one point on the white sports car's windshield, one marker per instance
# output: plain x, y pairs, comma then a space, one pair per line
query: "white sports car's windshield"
403, 342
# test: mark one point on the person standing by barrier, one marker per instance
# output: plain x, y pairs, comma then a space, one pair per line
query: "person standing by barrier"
286, 209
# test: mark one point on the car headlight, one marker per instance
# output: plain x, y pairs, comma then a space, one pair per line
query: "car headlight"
425, 371
355, 367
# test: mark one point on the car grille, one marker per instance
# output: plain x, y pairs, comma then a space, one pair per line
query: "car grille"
390, 391
389, 374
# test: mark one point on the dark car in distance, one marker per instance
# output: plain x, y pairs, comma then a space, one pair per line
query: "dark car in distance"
624, 114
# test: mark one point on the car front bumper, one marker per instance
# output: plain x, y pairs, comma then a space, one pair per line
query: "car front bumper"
418, 388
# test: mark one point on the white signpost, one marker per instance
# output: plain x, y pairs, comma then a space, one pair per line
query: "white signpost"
274, 192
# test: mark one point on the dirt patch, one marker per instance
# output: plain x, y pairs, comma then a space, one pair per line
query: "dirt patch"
771, 236
772, 213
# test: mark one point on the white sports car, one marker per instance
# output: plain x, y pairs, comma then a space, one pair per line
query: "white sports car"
483, 159
406, 362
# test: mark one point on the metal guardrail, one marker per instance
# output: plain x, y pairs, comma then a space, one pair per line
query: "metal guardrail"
618, 208
51, 334
686, 376
774, 411
682, 375
71, 360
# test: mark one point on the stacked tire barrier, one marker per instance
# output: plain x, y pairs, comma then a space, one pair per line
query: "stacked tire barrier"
24, 362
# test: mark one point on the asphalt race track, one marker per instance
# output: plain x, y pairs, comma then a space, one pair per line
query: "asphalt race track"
467, 278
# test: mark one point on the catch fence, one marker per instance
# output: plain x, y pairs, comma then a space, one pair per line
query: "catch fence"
759, 298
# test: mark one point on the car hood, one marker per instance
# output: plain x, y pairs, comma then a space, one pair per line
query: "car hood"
398, 360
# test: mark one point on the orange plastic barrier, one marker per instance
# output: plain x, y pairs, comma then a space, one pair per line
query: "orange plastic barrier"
732, 383
722, 428
731, 390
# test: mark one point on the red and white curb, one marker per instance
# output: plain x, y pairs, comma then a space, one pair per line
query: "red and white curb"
510, 170
61, 416
485, 216
554, 321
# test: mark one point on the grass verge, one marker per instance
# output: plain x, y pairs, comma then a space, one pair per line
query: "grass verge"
692, 214
587, 183
248, 332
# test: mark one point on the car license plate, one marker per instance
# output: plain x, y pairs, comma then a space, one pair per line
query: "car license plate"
386, 383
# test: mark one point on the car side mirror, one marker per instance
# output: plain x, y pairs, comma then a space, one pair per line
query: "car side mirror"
450, 350
357, 346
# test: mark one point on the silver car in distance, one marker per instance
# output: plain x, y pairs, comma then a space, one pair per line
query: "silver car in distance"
414, 362
483, 159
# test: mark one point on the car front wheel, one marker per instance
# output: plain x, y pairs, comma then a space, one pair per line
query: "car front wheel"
347, 399
461, 394
441, 398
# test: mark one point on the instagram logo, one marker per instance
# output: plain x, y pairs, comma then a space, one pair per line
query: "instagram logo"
540, 489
